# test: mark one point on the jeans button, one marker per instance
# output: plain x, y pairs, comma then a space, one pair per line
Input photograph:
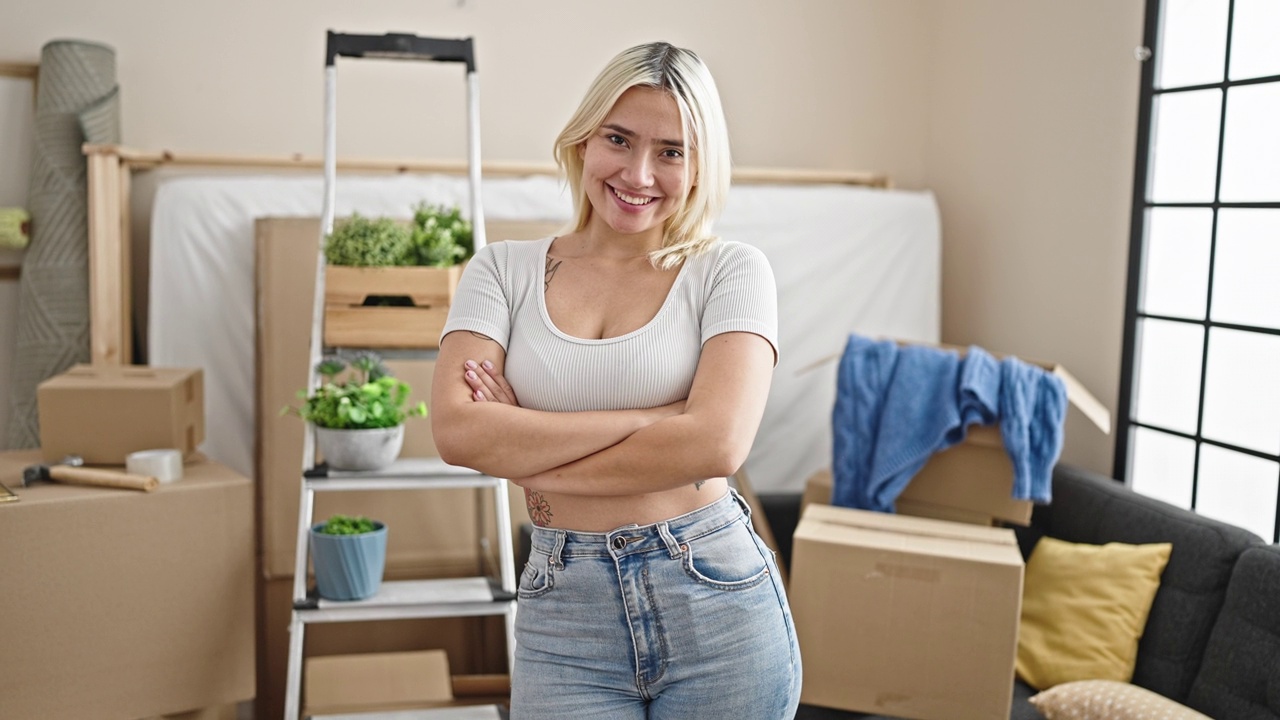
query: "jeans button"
619, 542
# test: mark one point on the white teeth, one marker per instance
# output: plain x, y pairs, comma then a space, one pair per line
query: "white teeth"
631, 199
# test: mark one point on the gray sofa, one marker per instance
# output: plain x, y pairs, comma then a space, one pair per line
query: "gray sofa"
1212, 640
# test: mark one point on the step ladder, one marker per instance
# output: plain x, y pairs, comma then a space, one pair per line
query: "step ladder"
439, 598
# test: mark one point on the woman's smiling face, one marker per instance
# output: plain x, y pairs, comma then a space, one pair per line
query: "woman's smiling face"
634, 165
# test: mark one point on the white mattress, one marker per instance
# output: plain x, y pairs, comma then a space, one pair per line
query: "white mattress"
846, 260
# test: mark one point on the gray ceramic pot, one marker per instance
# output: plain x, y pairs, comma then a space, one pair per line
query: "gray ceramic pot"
360, 449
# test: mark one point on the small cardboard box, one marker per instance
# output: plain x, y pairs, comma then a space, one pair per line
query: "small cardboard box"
972, 481
369, 682
124, 604
903, 616
104, 412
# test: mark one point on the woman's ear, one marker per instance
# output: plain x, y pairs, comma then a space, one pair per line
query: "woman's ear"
582, 150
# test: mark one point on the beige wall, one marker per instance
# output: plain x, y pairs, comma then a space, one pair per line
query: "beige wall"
1030, 149
1019, 114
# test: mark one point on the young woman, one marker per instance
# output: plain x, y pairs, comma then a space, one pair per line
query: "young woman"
618, 373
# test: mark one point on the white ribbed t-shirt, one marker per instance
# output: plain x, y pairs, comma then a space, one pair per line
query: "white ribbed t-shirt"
729, 288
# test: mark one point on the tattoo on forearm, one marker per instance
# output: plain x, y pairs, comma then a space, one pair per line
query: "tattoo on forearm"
698, 485
552, 266
539, 509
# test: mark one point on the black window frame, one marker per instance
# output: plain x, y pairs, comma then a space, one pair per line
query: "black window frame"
1137, 244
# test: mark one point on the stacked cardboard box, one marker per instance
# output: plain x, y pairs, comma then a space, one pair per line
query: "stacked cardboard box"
915, 614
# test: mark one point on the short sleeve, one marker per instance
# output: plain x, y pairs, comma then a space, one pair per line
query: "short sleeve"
481, 302
743, 296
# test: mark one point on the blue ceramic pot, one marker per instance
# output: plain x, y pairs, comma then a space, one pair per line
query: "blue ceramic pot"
349, 567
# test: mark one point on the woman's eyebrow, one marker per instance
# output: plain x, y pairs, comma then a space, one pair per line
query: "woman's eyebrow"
630, 134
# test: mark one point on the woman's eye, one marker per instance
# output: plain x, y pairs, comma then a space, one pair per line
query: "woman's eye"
672, 153
616, 139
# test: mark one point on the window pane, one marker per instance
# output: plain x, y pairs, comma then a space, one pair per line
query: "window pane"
1255, 39
1245, 290
1193, 42
1168, 374
1239, 489
1162, 466
1176, 277
1242, 390
1185, 153
1251, 147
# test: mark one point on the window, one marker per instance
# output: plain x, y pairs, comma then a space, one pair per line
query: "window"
1200, 383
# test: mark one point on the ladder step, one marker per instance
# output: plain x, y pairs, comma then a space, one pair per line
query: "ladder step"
403, 474
467, 712
402, 599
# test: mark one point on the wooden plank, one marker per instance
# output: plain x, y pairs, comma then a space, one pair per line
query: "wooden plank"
427, 286
143, 160
106, 255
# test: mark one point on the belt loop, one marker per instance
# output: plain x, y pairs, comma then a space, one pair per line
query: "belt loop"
558, 549
673, 547
746, 509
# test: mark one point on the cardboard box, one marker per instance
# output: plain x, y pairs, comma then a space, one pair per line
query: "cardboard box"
342, 684
118, 604
903, 616
104, 412
972, 482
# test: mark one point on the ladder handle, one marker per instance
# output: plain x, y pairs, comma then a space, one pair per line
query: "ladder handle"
400, 46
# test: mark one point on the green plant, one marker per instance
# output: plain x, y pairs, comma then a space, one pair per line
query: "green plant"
369, 242
347, 525
440, 237
368, 397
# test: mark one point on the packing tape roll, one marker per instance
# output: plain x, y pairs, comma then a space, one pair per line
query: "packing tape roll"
163, 465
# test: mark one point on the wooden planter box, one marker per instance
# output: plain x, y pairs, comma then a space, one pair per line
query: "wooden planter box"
348, 322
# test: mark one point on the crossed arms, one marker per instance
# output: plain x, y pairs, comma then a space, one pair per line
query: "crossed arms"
612, 452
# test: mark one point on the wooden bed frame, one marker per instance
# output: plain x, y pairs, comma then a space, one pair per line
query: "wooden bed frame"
110, 174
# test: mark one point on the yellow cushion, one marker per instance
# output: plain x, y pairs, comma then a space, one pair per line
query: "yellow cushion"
1084, 608
1108, 700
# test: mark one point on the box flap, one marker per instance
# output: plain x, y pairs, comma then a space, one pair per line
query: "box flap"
1077, 394
124, 376
909, 535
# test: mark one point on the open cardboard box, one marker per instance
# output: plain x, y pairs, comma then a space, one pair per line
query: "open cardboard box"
904, 616
972, 481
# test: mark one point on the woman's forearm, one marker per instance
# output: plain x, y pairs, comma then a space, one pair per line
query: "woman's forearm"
509, 441
672, 453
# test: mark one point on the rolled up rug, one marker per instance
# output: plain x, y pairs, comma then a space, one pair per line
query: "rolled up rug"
76, 102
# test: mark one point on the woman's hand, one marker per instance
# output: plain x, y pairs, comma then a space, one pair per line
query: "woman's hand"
487, 384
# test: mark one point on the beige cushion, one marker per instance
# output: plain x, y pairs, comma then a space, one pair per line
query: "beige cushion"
1108, 700
1084, 608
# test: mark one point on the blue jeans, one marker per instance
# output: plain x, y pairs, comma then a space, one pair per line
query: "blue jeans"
685, 618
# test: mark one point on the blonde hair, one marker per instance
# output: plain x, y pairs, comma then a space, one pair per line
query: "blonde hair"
683, 75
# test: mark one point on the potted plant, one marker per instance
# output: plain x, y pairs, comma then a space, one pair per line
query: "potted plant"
388, 283
359, 419
349, 554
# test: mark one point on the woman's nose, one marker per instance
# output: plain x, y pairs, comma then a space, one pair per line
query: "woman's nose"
639, 171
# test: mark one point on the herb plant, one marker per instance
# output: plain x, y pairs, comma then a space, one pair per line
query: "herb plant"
370, 242
347, 525
440, 237
368, 397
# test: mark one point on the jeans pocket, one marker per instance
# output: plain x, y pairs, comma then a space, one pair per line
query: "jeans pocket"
536, 580
727, 559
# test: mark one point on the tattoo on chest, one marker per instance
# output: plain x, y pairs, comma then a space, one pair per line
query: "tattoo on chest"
552, 266
698, 485
539, 509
